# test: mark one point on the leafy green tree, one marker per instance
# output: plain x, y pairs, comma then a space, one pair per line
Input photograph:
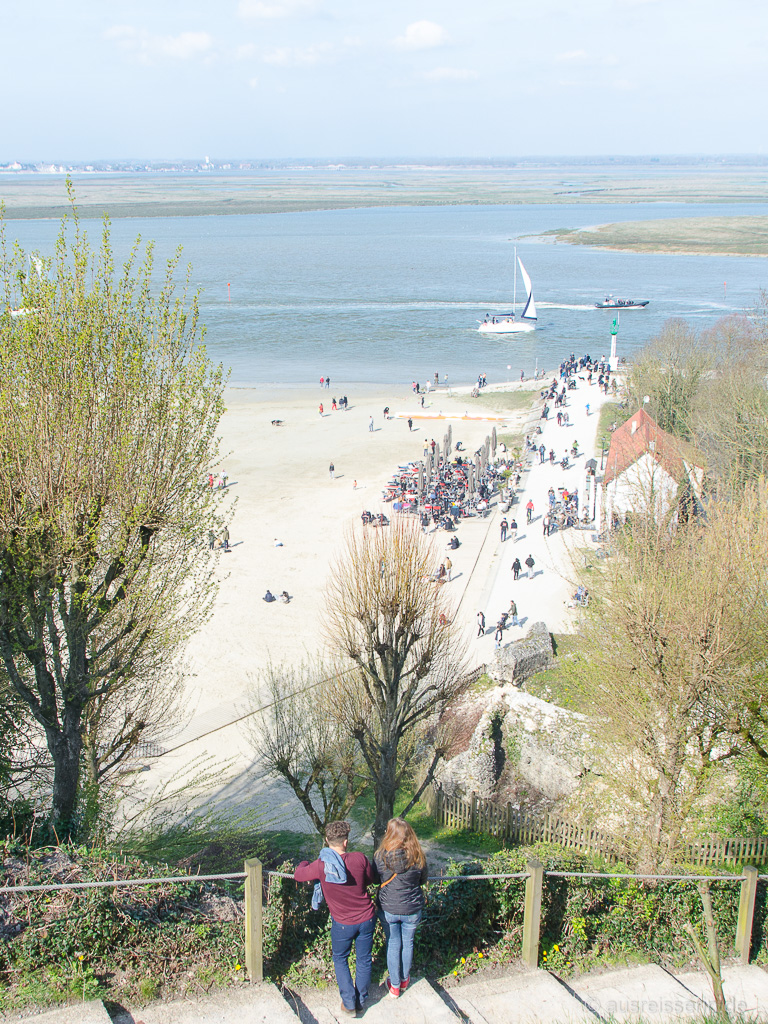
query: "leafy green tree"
108, 414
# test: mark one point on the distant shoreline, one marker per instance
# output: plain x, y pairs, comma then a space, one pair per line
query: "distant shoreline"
123, 196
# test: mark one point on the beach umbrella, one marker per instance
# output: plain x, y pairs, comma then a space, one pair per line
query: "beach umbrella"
470, 479
493, 442
420, 481
450, 438
478, 470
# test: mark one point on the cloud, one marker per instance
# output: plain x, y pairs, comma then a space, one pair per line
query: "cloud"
245, 51
270, 9
570, 56
422, 35
148, 48
450, 75
296, 56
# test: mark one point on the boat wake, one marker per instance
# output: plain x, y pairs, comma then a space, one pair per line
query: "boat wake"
564, 305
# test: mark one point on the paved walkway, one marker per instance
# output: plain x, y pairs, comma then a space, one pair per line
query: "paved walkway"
547, 593
514, 996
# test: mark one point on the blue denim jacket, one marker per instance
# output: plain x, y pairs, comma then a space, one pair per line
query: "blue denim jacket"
334, 872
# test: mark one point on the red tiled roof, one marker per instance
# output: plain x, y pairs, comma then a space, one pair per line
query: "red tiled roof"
640, 435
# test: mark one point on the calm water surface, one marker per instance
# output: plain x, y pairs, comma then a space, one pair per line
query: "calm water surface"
383, 296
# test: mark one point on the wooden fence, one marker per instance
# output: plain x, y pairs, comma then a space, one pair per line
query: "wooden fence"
507, 822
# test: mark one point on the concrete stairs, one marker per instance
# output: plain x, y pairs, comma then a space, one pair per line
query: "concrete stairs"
518, 997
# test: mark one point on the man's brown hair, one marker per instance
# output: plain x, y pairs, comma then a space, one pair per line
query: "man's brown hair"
336, 832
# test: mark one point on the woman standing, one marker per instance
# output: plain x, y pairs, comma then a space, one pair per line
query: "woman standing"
403, 870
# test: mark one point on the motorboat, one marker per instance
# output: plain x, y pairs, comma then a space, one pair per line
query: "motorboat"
507, 323
611, 302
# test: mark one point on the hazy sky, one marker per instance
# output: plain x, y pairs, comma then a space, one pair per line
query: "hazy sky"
334, 78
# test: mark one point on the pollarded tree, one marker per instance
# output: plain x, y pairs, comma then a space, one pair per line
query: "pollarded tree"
108, 414
298, 738
390, 621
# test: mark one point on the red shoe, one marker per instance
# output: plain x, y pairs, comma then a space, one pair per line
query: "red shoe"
404, 984
392, 991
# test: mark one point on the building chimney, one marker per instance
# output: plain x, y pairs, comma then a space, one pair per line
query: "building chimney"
634, 426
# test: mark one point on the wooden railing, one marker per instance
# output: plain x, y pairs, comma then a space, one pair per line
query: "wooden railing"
507, 822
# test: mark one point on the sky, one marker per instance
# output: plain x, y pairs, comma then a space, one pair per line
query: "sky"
270, 79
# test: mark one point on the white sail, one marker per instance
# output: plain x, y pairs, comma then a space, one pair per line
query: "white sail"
529, 313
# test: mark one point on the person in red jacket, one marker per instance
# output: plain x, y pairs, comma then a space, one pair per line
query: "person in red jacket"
353, 914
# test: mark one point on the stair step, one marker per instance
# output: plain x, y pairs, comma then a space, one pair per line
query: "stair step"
420, 1004
92, 1012
517, 999
745, 988
252, 1004
648, 992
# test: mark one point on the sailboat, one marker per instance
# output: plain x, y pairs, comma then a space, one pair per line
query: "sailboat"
506, 323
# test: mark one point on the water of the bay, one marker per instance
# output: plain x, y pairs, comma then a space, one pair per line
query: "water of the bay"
385, 296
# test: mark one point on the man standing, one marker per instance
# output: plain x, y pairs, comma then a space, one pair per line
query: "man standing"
353, 915
513, 530
370, 424
516, 567
480, 624
504, 525
448, 567
410, 424
513, 612
530, 563
225, 538
331, 470
529, 510
546, 524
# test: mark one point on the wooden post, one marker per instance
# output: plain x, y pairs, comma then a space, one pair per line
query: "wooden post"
532, 916
254, 959
746, 913
472, 812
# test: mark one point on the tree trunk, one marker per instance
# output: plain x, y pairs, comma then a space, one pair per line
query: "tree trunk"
386, 791
65, 747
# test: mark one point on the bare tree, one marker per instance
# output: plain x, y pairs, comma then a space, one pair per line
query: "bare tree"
674, 639
390, 621
108, 416
298, 738
670, 371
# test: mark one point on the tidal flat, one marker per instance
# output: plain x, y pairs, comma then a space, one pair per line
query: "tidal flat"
713, 236
154, 194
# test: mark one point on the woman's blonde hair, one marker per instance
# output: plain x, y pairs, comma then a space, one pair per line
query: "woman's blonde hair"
399, 835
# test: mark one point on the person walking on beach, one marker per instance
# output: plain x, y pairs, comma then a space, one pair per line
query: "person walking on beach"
321, 409
448, 567
546, 522
513, 530
498, 636
504, 527
513, 613
480, 624
530, 563
410, 424
402, 868
211, 540
370, 424
327, 381
331, 470
529, 511
516, 567
344, 878
225, 538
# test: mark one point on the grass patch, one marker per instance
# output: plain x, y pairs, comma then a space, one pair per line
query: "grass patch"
743, 236
505, 401
610, 413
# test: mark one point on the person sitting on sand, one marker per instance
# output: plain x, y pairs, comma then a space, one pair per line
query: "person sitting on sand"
284, 597
269, 596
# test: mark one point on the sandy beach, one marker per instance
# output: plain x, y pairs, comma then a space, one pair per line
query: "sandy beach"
279, 480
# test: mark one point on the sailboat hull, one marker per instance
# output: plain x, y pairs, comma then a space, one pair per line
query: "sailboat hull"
505, 327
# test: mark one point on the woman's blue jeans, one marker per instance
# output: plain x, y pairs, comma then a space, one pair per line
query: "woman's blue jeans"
400, 930
342, 938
